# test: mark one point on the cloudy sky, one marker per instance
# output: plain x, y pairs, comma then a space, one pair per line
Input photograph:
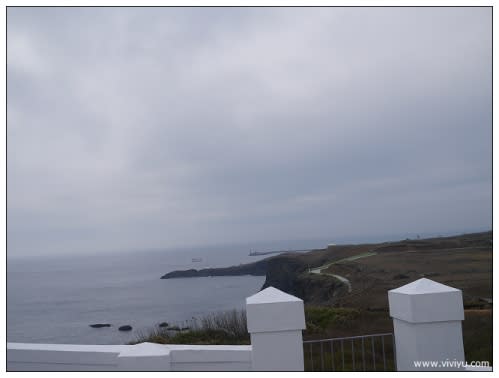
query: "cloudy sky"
154, 128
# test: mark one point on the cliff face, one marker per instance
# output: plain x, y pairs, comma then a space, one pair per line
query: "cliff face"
282, 272
290, 274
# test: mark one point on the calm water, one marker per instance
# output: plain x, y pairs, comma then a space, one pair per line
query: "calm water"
53, 300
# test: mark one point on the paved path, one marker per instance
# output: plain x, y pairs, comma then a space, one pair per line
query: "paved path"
344, 280
338, 277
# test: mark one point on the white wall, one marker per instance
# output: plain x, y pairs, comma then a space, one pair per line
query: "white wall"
141, 357
53, 357
211, 358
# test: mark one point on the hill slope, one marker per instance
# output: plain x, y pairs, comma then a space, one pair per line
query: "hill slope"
320, 276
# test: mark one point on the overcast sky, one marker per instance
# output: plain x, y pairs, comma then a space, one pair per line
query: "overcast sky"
154, 128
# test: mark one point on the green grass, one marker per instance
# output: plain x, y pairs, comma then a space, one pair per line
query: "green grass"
477, 335
230, 327
220, 328
320, 318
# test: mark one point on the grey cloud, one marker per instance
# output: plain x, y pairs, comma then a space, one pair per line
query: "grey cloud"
146, 128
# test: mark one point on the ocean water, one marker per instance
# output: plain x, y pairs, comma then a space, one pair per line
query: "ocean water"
55, 299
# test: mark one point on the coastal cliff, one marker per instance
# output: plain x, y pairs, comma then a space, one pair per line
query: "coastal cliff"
287, 272
370, 270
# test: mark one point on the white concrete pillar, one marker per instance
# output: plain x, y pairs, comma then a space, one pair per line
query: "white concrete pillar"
275, 323
427, 320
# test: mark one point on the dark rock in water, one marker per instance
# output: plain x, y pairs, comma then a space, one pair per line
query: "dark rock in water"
100, 325
164, 324
125, 328
185, 328
174, 328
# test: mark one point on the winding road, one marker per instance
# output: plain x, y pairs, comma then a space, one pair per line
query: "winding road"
342, 279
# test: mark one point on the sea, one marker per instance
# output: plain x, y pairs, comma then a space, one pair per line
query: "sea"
54, 299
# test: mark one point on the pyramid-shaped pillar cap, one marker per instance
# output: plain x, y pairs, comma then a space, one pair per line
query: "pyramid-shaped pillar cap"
424, 301
424, 286
271, 295
274, 310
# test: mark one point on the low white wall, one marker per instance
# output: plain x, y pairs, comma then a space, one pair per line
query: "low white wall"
140, 357
211, 358
275, 322
54, 357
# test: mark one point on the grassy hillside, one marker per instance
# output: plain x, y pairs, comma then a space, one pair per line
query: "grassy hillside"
319, 277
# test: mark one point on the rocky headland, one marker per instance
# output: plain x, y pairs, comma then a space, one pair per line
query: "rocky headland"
319, 276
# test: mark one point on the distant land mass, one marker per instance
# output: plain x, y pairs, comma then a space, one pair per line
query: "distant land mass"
258, 268
360, 275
